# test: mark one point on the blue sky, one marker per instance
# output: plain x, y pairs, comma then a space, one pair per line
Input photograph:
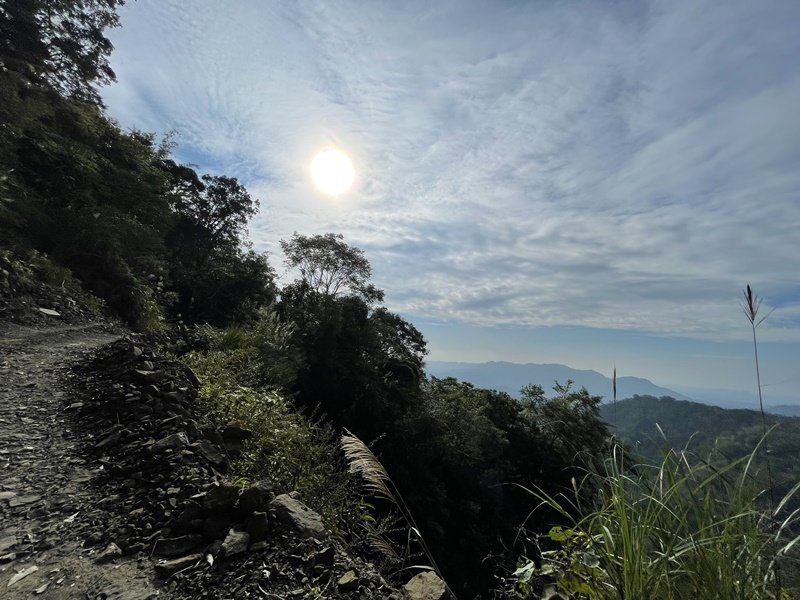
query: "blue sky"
580, 182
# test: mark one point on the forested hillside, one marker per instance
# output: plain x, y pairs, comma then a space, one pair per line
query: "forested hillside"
653, 425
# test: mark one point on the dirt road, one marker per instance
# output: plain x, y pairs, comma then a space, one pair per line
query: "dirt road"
48, 508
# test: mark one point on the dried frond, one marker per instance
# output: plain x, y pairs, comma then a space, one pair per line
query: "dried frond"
361, 461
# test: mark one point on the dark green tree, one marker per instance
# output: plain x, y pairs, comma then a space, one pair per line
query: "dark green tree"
363, 365
216, 276
331, 267
59, 43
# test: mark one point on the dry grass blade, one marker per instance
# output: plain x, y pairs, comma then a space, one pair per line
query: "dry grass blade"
379, 543
361, 461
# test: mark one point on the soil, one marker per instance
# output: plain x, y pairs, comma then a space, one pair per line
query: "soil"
47, 502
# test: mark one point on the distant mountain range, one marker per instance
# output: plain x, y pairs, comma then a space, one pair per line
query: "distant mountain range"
776, 404
510, 377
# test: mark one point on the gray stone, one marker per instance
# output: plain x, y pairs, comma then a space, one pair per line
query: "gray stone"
176, 441
258, 526
149, 376
7, 542
234, 436
22, 500
22, 574
170, 567
211, 453
425, 586
192, 377
325, 556
234, 431
298, 516
235, 542
216, 526
111, 552
221, 498
251, 499
109, 440
177, 546
348, 581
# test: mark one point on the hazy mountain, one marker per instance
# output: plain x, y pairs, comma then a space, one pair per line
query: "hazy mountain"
777, 404
510, 377
789, 410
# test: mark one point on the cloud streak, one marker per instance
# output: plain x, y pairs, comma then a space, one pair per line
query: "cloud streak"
613, 165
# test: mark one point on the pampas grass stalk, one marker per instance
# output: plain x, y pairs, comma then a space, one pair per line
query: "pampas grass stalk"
751, 304
363, 463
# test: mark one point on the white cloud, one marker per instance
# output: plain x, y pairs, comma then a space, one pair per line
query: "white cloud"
618, 165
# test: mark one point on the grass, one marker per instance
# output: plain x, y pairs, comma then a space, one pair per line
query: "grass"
682, 529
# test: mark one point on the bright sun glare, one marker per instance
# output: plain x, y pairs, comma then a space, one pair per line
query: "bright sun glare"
332, 171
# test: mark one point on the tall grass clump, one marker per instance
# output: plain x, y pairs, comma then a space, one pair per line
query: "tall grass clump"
681, 529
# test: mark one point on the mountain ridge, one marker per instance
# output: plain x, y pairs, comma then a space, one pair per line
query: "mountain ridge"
509, 377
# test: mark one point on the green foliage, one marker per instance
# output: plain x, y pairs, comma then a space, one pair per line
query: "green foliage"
46, 271
568, 421
461, 452
655, 425
362, 365
287, 448
679, 529
262, 355
138, 230
329, 266
60, 43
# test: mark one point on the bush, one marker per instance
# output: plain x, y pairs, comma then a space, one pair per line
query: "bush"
289, 449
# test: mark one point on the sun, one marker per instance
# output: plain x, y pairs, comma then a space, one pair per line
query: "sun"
332, 171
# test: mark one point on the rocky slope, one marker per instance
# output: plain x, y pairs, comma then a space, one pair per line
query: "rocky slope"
109, 487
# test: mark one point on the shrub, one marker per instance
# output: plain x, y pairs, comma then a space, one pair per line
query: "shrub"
286, 447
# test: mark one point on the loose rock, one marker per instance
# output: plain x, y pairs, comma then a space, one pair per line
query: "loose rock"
298, 516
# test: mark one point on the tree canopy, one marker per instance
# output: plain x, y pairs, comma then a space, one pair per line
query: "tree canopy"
60, 43
330, 266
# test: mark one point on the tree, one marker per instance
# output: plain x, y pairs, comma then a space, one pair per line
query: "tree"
59, 43
217, 277
569, 422
213, 211
362, 364
329, 266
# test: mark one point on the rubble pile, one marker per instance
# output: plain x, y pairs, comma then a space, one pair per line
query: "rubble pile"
167, 499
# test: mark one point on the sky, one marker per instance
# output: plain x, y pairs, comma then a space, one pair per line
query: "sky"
591, 183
